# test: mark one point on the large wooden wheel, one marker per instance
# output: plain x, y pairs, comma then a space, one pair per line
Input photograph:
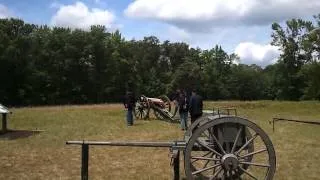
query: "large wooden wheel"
209, 117
142, 108
223, 149
200, 121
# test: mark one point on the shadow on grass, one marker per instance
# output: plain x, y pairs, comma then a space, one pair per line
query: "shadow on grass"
17, 134
170, 121
174, 121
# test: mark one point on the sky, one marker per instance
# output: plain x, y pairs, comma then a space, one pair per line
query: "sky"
239, 26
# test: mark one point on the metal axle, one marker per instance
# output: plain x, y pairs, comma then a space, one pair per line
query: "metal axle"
181, 144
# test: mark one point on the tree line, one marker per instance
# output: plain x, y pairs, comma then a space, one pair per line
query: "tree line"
42, 65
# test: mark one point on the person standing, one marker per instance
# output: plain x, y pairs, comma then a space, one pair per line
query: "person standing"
176, 101
129, 103
183, 110
195, 106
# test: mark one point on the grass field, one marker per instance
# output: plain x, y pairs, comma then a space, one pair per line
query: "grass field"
45, 155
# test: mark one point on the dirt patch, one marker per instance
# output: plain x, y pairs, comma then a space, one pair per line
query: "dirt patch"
16, 134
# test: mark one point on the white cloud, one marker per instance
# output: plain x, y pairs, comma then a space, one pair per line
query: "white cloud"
5, 12
79, 15
201, 15
177, 34
260, 54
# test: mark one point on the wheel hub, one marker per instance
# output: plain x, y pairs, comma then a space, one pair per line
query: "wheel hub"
230, 161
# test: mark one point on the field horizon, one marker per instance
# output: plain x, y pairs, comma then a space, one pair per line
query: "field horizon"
46, 156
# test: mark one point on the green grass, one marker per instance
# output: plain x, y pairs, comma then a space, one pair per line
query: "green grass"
45, 156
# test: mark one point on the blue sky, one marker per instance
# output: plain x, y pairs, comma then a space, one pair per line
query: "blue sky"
241, 26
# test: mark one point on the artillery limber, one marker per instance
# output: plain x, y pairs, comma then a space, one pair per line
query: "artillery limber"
216, 146
161, 107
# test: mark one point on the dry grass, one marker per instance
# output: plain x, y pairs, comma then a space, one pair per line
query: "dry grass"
45, 156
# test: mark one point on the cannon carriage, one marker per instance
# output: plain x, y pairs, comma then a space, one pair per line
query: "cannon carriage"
215, 147
160, 106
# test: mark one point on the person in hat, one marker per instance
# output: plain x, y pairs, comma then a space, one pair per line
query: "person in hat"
129, 104
183, 103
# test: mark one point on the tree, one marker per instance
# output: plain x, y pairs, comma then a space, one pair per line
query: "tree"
246, 82
55, 65
311, 73
290, 42
187, 76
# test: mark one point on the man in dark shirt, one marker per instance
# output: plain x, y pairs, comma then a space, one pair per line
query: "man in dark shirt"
183, 109
195, 106
129, 104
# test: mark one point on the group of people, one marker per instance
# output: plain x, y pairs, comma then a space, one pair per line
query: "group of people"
186, 105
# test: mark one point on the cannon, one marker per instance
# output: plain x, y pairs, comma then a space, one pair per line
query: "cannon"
215, 147
161, 107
